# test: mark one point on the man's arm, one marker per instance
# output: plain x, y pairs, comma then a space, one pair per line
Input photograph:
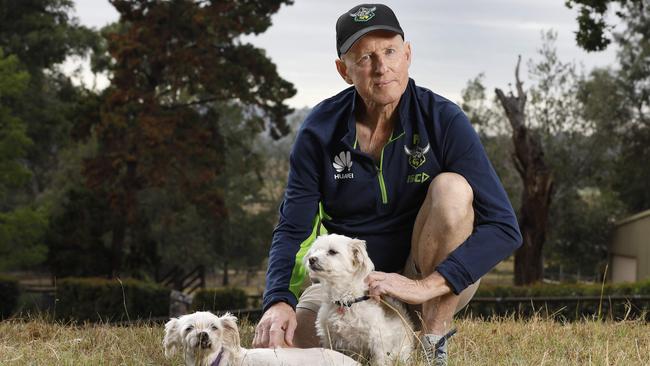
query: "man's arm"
297, 212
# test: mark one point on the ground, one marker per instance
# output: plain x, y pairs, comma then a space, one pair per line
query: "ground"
497, 342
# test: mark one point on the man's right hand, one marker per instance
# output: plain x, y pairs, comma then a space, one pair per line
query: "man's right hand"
276, 328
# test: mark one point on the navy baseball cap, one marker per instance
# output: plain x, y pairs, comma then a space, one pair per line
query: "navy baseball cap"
362, 19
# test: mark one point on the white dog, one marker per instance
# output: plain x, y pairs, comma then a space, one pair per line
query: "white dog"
209, 340
346, 321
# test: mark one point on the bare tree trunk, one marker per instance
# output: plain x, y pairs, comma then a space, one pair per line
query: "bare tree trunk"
225, 280
537, 180
124, 218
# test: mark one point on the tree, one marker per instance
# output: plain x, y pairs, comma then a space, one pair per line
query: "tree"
22, 227
42, 34
592, 34
537, 182
172, 60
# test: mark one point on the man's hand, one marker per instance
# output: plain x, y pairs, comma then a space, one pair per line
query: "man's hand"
276, 328
405, 289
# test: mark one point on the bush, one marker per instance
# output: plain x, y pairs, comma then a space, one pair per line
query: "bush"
9, 293
230, 298
97, 299
564, 301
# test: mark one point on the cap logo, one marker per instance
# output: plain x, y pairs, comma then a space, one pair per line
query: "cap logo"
364, 14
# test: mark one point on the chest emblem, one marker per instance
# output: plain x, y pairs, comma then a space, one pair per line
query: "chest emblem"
416, 155
342, 163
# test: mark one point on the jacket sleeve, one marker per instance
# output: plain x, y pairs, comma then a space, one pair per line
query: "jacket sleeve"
297, 212
496, 233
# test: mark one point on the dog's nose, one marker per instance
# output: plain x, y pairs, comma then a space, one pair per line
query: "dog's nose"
203, 336
204, 340
313, 260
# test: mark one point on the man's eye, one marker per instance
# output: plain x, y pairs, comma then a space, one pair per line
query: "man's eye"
390, 51
332, 252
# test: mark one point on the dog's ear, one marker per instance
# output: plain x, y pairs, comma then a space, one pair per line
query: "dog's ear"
172, 341
360, 259
230, 330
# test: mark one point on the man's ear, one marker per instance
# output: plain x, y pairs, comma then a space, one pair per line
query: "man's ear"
342, 68
408, 51
172, 341
360, 259
230, 331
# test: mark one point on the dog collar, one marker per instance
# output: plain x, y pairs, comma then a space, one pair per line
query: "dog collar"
218, 359
347, 304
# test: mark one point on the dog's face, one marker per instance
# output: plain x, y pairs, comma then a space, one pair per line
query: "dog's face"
201, 335
333, 258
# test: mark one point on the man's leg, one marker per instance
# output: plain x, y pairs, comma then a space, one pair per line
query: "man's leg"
305, 336
306, 311
444, 221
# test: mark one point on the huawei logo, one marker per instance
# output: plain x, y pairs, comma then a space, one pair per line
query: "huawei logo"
343, 162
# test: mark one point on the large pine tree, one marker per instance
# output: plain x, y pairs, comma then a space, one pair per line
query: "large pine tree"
172, 61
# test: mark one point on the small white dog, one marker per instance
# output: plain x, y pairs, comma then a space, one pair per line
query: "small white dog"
209, 340
346, 321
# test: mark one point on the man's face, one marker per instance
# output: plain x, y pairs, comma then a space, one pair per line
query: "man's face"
377, 65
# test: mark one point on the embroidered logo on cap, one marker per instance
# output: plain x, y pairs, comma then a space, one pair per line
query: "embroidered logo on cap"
364, 14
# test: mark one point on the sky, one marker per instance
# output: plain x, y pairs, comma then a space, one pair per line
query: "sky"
452, 41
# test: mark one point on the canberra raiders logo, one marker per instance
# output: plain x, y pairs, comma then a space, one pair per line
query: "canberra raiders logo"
364, 14
416, 154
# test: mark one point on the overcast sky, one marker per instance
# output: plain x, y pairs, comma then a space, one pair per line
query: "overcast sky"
452, 41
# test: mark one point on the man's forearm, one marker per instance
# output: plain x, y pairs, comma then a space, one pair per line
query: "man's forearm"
435, 285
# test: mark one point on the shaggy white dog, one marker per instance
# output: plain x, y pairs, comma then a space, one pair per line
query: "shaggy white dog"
208, 340
347, 320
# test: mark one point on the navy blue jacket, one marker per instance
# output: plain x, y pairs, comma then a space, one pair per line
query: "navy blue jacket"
378, 201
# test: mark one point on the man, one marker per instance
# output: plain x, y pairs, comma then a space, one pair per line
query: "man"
400, 167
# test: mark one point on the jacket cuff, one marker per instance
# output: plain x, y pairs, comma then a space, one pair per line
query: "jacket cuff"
280, 296
455, 273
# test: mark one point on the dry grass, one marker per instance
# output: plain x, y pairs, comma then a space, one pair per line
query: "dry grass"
497, 342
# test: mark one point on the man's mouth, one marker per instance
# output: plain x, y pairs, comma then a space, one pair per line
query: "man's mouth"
382, 84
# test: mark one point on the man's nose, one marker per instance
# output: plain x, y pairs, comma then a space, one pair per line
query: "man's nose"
380, 65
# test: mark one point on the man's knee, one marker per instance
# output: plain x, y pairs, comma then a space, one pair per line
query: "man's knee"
450, 197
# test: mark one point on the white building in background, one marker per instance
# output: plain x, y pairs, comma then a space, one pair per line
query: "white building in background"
629, 251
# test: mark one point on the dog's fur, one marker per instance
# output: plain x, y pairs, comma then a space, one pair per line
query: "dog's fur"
201, 336
340, 264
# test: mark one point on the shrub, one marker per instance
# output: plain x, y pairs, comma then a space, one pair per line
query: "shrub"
230, 298
564, 301
97, 299
9, 293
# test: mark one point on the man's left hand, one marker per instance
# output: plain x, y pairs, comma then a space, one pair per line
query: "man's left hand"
405, 289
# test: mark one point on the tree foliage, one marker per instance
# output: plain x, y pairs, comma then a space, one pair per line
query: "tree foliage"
594, 34
171, 62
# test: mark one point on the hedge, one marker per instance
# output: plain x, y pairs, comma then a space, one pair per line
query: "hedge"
9, 293
229, 298
562, 301
98, 299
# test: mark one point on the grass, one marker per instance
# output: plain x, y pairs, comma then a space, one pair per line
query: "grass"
504, 341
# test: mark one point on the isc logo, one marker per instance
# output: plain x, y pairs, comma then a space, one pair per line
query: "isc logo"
417, 178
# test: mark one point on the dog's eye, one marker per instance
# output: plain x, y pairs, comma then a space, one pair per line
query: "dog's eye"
189, 329
332, 252
214, 327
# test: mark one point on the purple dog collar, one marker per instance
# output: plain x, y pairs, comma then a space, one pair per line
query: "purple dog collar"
218, 359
